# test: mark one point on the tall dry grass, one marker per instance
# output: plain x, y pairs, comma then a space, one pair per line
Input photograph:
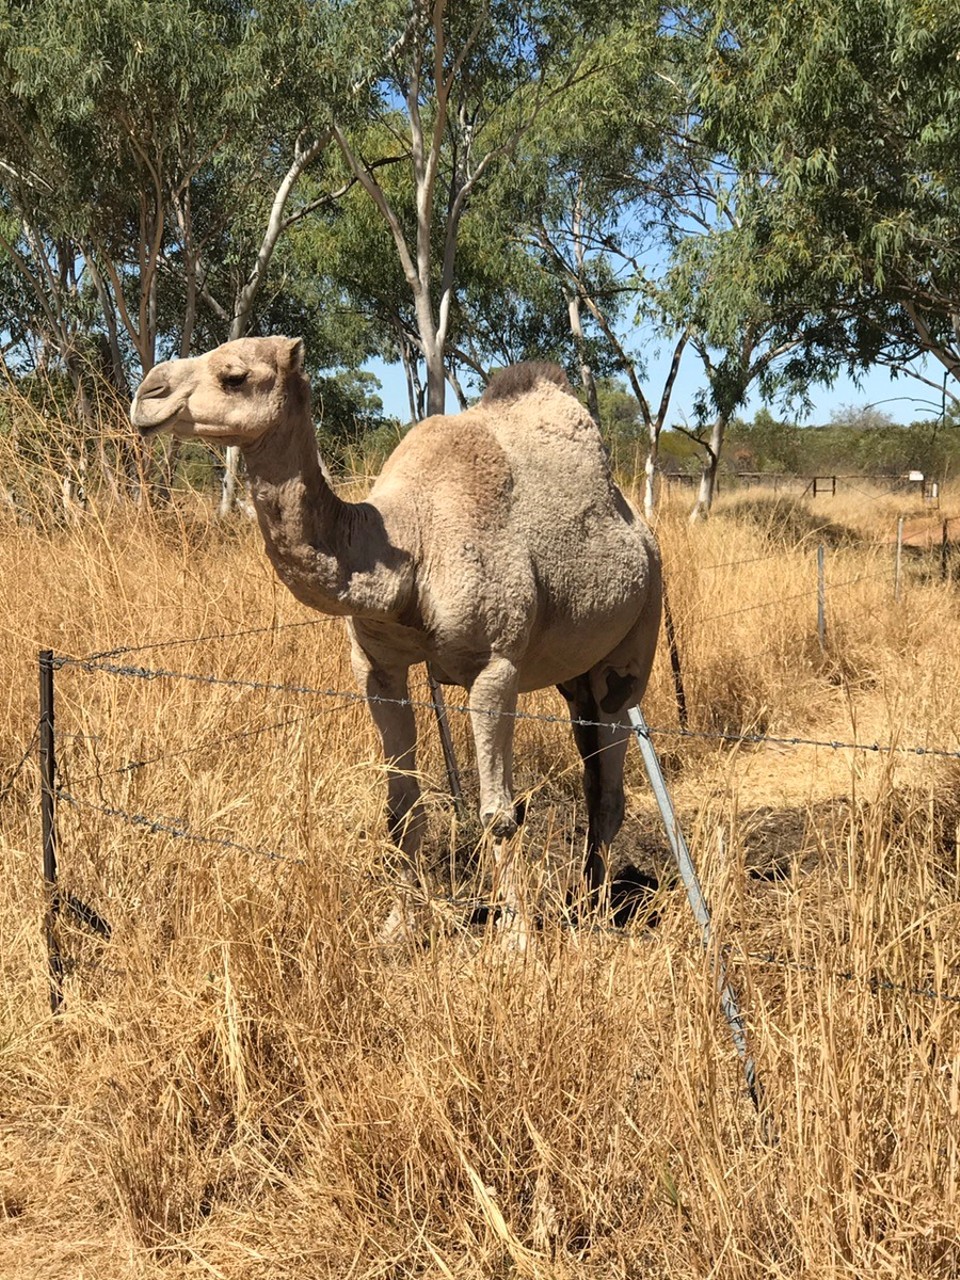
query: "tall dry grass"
243, 1083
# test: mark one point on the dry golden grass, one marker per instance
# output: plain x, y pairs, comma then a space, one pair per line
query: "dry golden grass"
244, 1084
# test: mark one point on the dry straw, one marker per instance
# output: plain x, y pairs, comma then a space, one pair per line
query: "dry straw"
244, 1084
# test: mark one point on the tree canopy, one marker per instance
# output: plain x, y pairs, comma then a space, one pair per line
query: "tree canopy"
771, 193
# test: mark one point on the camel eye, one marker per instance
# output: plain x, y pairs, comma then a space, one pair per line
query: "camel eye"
234, 379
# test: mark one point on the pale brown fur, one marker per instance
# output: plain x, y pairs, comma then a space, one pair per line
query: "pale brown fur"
495, 546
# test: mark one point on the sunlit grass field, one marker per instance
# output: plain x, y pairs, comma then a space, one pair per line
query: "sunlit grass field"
244, 1083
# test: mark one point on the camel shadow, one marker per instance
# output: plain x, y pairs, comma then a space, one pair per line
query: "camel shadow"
632, 903
771, 844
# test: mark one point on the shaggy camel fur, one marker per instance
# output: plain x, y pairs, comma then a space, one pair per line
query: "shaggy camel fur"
494, 546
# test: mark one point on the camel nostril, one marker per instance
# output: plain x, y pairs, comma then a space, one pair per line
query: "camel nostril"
156, 392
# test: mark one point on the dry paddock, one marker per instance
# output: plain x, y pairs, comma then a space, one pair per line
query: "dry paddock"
243, 1083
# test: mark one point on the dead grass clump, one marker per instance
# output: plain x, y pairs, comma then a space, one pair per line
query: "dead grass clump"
244, 1083
787, 522
164, 1147
920, 830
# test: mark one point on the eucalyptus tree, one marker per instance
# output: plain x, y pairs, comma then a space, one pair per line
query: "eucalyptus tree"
593, 178
852, 108
505, 307
753, 324
148, 166
657, 237
464, 84
109, 115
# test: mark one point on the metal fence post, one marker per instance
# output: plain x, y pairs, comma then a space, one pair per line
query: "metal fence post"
698, 902
48, 825
821, 599
675, 667
446, 741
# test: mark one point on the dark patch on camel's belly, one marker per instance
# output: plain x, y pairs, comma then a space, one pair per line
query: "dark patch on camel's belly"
619, 690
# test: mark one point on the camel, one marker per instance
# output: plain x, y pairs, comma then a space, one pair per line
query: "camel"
494, 546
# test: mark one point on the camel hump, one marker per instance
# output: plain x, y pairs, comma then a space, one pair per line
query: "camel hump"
519, 379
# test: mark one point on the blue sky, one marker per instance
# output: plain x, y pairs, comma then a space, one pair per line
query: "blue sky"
903, 399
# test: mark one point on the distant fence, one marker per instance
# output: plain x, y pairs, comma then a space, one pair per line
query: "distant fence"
819, 485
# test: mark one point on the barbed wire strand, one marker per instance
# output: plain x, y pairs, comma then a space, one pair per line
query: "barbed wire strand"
736, 564
273, 628
351, 696
800, 595
15, 771
129, 766
213, 635
476, 903
875, 984
179, 831
773, 555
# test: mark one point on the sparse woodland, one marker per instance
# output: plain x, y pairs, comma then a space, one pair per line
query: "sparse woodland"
243, 1082
768, 198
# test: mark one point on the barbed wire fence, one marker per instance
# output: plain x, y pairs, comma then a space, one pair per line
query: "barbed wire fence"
105, 662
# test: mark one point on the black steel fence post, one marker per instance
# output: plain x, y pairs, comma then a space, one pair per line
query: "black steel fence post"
446, 741
675, 668
48, 824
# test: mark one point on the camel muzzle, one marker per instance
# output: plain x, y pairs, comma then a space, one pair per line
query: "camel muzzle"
144, 409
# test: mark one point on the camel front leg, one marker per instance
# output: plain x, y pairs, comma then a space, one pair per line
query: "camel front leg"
387, 690
493, 704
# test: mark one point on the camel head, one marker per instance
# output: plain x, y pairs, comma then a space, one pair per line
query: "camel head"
233, 395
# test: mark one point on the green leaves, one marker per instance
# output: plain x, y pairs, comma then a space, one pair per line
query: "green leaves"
853, 109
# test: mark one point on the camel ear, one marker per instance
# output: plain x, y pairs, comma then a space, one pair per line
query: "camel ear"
293, 350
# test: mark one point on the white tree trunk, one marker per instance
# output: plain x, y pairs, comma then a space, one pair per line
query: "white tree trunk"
650, 472
586, 373
708, 474
243, 308
228, 485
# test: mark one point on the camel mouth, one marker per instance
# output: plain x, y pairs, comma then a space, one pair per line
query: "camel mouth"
147, 432
148, 429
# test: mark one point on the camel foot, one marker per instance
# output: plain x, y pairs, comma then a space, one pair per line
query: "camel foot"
512, 929
500, 823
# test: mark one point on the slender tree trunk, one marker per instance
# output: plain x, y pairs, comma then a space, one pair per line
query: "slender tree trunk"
650, 470
436, 384
243, 310
411, 371
708, 473
457, 389
432, 355
586, 373
229, 481
73, 493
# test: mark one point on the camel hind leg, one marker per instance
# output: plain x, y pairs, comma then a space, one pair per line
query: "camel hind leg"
602, 743
599, 701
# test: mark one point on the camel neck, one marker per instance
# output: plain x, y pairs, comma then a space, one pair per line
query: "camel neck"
302, 520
